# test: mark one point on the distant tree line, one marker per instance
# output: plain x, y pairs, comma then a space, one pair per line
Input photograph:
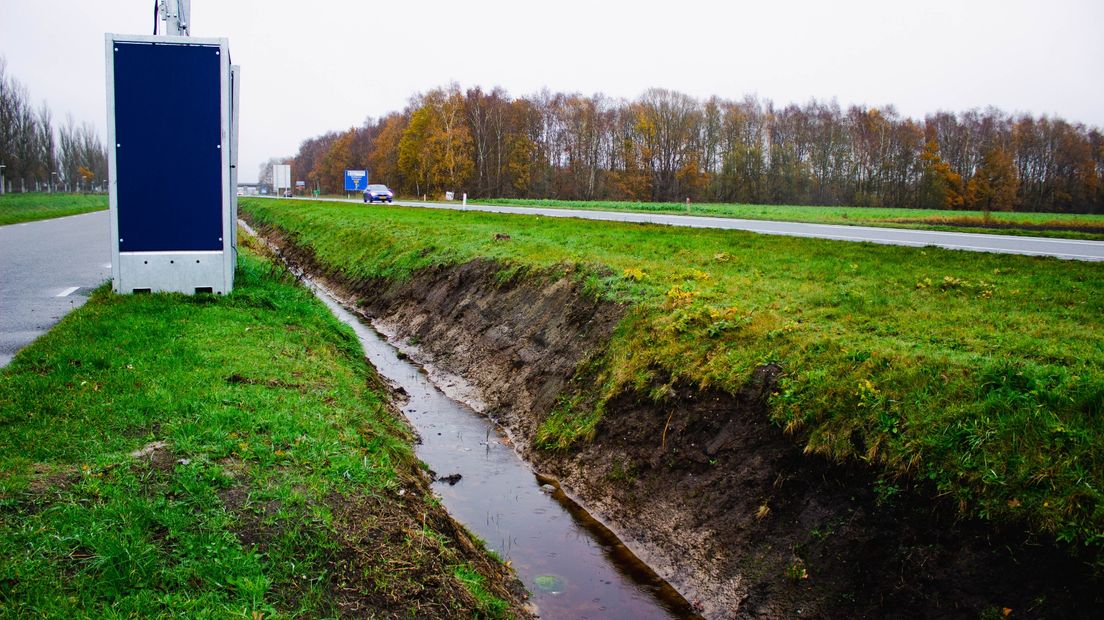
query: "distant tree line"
34, 157
667, 146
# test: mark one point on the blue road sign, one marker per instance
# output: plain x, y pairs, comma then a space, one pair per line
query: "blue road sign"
356, 180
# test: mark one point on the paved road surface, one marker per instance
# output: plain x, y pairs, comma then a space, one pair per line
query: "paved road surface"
48, 268
974, 242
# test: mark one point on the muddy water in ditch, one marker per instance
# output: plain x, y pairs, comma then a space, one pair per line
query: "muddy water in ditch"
573, 566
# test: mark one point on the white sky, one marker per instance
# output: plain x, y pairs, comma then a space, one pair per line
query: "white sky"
310, 67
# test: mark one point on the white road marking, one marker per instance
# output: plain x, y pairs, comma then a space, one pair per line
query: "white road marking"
67, 292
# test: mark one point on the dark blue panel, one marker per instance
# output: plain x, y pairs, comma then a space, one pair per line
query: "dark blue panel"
168, 131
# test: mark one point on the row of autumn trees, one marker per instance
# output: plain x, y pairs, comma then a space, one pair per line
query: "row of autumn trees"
667, 146
34, 156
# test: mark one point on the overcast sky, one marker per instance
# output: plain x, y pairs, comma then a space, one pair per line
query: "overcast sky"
310, 67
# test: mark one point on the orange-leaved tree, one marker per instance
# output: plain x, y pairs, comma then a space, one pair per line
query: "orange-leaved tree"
330, 171
383, 158
940, 186
994, 184
435, 151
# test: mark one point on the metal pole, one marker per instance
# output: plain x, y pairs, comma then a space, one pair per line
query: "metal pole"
177, 15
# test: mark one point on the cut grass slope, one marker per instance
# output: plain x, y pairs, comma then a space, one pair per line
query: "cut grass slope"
165, 455
978, 374
15, 208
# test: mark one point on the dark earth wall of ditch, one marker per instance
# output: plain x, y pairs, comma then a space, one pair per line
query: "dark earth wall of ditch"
718, 500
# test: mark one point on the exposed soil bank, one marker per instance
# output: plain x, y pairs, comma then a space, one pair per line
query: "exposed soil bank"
702, 487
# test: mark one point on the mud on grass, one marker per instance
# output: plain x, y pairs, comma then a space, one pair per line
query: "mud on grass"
206, 456
396, 554
413, 559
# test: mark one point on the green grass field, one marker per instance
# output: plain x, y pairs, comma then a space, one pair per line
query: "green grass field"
977, 374
1038, 224
172, 456
15, 208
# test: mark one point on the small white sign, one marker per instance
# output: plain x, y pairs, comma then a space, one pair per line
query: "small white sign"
281, 176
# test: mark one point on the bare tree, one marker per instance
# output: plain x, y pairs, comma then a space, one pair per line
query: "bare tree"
34, 156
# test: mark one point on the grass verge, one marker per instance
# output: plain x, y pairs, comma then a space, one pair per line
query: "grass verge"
200, 456
1074, 226
978, 375
15, 208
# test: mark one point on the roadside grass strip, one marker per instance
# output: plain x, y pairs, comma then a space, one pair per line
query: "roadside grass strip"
1065, 225
978, 377
202, 456
16, 208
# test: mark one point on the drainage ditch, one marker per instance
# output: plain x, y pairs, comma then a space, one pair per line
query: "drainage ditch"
573, 565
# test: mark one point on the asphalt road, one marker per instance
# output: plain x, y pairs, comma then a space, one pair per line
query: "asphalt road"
48, 268
973, 242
